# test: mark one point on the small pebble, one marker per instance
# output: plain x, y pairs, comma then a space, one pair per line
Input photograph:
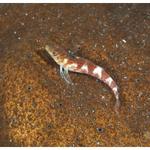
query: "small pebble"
97, 143
26, 14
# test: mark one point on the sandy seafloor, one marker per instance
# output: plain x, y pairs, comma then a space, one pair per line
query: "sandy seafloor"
38, 108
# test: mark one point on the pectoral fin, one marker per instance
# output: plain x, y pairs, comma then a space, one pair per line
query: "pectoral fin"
65, 75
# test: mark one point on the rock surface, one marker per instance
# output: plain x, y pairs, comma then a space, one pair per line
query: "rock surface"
37, 107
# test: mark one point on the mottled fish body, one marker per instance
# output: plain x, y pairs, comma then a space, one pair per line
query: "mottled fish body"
81, 65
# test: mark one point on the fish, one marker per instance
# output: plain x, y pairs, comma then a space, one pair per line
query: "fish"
81, 65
